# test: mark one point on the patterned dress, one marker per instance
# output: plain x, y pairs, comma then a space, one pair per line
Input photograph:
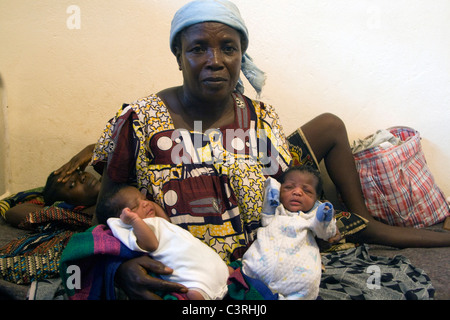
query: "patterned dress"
210, 182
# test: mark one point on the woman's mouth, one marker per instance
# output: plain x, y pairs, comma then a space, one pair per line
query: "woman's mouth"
214, 81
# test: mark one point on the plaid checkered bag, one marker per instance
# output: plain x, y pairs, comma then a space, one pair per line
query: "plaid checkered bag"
398, 186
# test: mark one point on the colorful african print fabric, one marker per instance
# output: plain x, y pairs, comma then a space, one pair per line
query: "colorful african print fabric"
209, 182
301, 152
35, 256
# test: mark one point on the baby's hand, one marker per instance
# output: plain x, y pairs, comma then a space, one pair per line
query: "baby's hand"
325, 212
273, 198
127, 216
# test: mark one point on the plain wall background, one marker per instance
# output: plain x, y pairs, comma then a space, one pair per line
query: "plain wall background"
66, 70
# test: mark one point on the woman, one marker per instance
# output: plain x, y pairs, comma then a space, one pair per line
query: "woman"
176, 147
199, 164
70, 183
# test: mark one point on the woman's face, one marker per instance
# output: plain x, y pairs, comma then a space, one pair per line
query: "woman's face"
210, 58
81, 189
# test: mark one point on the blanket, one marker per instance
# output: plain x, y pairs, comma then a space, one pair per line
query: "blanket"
33, 257
354, 274
36, 256
97, 254
349, 274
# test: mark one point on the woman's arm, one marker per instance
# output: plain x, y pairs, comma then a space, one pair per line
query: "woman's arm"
19, 213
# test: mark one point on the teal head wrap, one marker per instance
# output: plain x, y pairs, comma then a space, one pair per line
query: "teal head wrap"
225, 12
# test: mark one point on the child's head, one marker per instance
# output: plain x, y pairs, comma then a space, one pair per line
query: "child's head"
300, 188
125, 196
81, 189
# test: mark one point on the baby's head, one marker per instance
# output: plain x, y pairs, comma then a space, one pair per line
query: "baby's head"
81, 189
300, 188
121, 197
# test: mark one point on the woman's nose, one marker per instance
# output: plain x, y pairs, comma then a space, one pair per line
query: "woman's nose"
215, 58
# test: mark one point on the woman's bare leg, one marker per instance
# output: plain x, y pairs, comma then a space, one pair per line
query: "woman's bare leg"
328, 138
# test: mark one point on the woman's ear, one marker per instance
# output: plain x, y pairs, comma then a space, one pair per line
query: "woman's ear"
178, 56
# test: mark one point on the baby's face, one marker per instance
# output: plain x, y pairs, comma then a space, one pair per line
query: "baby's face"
298, 191
137, 202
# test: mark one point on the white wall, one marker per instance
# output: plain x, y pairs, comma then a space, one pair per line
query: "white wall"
375, 64
4, 147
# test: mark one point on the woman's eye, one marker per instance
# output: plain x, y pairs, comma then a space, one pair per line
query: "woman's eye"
229, 49
197, 49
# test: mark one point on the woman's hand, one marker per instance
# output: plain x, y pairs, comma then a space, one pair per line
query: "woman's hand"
336, 238
132, 276
78, 162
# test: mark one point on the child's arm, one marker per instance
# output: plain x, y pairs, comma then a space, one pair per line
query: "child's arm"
271, 200
146, 238
271, 196
324, 225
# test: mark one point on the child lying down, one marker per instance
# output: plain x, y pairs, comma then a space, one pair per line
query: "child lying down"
144, 226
